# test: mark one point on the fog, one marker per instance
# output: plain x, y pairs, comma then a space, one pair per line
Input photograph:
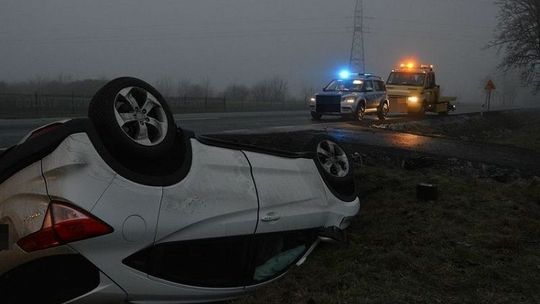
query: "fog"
243, 41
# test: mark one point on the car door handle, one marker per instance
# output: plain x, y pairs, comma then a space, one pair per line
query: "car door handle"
270, 217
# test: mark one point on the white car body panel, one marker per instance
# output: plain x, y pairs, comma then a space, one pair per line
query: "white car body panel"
226, 193
303, 204
106, 292
76, 173
203, 205
287, 205
24, 202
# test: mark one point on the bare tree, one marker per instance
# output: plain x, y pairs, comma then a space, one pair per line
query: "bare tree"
236, 92
519, 38
278, 89
188, 89
274, 89
308, 92
165, 86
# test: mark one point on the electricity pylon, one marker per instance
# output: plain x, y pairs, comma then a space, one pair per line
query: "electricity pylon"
357, 61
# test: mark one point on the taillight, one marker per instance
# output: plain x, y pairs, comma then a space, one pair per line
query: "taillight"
64, 224
45, 130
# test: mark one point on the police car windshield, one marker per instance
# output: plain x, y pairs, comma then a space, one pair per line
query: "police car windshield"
352, 85
409, 79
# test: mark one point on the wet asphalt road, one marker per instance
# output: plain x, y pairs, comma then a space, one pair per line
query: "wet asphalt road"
11, 131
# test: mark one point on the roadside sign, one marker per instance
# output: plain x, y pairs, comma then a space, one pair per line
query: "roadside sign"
490, 85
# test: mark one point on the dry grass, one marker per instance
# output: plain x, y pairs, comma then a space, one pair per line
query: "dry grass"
479, 243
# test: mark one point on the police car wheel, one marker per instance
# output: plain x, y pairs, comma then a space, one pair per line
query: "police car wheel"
383, 112
360, 111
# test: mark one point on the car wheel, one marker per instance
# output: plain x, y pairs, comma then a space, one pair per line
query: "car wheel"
335, 167
383, 112
315, 116
360, 111
132, 117
333, 159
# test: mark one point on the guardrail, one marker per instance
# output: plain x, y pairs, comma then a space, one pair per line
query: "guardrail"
72, 105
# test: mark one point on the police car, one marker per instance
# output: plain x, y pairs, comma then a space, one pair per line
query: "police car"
353, 94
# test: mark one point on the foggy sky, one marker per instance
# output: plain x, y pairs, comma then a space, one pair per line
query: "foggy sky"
242, 41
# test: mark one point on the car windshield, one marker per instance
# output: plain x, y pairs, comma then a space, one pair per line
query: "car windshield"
352, 85
409, 79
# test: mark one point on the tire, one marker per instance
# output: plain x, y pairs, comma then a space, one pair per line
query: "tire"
360, 111
336, 167
383, 111
133, 119
315, 116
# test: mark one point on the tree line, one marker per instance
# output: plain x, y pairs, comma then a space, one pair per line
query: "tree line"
273, 89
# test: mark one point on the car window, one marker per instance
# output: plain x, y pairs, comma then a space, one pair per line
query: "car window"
217, 263
368, 85
353, 85
409, 79
276, 252
379, 86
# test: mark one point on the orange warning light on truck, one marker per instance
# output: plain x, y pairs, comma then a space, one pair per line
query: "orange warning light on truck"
413, 89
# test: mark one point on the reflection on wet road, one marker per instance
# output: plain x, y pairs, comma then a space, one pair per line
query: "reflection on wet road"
11, 131
495, 154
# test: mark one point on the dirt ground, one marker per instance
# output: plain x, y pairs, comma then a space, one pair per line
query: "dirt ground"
478, 243
519, 128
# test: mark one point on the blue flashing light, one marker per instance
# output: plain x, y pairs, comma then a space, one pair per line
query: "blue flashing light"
344, 74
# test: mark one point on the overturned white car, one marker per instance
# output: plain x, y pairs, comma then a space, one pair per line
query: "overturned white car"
126, 207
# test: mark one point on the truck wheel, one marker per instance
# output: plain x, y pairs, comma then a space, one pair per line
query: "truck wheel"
383, 111
315, 116
133, 119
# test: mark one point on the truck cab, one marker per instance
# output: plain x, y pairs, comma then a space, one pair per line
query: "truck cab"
414, 90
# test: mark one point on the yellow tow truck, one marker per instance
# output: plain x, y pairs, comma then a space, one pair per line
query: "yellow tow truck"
412, 89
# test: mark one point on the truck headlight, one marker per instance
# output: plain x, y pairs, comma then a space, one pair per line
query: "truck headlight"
349, 100
413, 99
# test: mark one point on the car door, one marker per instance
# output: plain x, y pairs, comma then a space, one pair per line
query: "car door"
293, 207
370, 94
207, 221
429, 89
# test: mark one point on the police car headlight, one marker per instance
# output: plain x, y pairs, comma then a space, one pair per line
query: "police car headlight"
312, 100
413, 99
349, 100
